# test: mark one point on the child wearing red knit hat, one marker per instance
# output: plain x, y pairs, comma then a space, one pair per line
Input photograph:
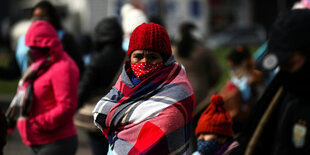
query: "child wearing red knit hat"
214, 129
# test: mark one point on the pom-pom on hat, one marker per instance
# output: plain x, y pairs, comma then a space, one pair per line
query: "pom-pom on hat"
152, 37
215, 119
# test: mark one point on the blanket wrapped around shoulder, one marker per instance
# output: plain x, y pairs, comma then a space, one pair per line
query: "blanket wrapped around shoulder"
153, 117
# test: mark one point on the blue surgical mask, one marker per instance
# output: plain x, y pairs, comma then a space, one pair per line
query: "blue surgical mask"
243, 86
208, 147
125, 44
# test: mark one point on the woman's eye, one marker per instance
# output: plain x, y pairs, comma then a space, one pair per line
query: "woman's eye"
138, 56
152, 57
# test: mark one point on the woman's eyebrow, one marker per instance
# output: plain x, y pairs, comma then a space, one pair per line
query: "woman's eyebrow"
138, 54
152, 54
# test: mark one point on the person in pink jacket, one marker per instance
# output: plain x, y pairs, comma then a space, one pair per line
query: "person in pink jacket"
48, 127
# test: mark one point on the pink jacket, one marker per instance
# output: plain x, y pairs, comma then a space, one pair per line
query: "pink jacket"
55, 92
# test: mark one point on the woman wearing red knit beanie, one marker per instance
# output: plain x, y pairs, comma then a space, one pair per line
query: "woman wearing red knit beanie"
150, 108
214, 129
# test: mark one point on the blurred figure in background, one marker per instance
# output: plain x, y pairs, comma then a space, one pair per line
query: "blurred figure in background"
202, 68
131, 18
280, 122
242, 89
46, 98
301, 4
43, 10
102, 71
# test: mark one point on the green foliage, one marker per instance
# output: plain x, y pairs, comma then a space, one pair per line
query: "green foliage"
7, 87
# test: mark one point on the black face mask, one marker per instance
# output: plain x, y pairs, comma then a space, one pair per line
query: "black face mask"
37, 53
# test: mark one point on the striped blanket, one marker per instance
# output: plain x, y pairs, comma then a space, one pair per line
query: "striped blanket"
153, 117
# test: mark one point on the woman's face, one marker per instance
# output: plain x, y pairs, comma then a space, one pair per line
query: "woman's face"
208, 137
294, 63
36, 53
237, 70
138, 56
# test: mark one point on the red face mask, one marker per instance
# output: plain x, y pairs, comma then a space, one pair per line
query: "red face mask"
143, 69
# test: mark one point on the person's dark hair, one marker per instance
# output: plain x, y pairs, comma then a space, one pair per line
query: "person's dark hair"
239, 54
51, 12
187, 41
108, 30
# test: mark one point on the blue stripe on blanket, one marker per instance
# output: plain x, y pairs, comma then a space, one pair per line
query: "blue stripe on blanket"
106, 103
112, 95
115, 141
179, 144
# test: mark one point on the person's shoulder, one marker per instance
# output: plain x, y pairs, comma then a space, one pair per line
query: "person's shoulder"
66, 36
201, 51
108, 56
64, 61
233, 148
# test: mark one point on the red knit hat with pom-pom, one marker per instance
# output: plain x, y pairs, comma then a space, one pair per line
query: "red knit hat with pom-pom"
152, 37
215, 119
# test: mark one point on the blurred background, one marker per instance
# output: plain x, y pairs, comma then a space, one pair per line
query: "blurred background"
222, 25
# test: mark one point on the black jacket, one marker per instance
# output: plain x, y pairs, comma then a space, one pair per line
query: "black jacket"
105, 64
100, 72
70, 45
287, 131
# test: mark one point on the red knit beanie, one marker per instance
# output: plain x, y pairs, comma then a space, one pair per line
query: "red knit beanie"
215, 119
152, 37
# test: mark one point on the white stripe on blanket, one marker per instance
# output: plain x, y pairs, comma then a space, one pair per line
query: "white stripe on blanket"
147, 110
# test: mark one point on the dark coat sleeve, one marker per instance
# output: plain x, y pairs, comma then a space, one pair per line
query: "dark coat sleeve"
70, 45
88, 81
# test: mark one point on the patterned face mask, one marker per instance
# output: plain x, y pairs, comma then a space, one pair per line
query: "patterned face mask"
143, 69
208, 147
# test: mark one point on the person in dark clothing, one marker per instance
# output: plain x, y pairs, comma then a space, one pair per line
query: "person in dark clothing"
105, 63
18, 64
3, 131
202, 69
281, 120
101, 72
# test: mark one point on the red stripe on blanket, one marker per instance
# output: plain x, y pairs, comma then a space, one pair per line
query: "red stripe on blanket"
149, 135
